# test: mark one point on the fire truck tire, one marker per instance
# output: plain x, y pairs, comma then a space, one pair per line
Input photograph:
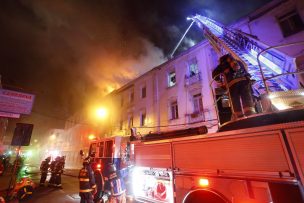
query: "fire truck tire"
204, 196
25, 193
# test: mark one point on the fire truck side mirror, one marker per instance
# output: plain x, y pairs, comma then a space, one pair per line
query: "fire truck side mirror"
81, 152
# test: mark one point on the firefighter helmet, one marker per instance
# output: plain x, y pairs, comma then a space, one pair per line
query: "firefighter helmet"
111, 168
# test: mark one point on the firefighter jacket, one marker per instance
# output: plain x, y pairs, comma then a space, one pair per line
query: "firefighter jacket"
59, 166
44, 166
115, 185
234, 76
52, 166
86, 179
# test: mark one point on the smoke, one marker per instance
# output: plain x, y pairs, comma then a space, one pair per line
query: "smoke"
81, 49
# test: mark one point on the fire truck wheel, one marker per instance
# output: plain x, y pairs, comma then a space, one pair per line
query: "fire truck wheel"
25, 192
204, 196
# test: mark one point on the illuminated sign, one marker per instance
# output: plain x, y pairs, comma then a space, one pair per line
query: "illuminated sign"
16, 102
153, 185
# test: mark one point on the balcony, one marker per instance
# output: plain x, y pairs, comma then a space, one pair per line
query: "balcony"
196, 117
192, 79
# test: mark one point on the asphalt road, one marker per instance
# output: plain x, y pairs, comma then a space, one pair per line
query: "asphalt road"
69, 193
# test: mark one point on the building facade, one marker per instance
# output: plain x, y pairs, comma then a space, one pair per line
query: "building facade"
177, 94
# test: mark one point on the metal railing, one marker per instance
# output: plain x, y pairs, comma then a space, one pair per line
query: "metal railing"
263, 78
191, 79
277, 75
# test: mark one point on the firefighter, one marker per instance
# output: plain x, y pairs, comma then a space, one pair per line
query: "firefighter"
115, 186
239, 85
99, 183
44, 167
87, 186
58, 171
52, 170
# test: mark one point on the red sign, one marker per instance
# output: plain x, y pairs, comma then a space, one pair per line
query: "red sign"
16, 102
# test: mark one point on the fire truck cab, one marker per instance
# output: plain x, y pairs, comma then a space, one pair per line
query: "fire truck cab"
113, 150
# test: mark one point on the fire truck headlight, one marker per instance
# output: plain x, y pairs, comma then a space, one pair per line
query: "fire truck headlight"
203, 182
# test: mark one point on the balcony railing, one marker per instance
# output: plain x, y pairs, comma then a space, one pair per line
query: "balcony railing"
192, 79
196, 117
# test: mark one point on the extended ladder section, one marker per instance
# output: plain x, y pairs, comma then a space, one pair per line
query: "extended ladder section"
245, 48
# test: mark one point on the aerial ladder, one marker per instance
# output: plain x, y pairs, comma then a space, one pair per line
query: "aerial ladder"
271, 70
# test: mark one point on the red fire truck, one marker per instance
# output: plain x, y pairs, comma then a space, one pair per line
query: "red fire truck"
252, 165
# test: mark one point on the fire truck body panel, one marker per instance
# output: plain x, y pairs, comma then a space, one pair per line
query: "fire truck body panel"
252, 165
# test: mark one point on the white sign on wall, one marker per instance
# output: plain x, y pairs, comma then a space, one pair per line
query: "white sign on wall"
16, 102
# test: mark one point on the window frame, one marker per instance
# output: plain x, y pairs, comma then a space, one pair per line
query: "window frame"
173, 105
191, 62
286, 18
169, 78
198, 99
143, 118
143, 91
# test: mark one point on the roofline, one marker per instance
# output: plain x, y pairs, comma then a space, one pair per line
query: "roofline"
259, 12
130, 83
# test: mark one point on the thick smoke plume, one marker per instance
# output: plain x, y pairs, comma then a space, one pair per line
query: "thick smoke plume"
83, 50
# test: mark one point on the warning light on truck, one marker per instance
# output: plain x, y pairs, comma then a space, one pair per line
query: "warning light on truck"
203, 182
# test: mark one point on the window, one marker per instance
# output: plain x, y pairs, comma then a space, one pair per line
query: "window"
120, 124
121, 101
143, 92
101, 147
109, 149
198, 103
130, 121
131, 96
291, 23
93, 148
174, 110
171, 79
142, 118
193, 67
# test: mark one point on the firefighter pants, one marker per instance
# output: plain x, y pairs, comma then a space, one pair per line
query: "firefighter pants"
43, 177
118, 199
241, 91
86, 197
58, 180
52, 179
98, 196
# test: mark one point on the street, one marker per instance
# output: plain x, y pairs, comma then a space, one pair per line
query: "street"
68, 194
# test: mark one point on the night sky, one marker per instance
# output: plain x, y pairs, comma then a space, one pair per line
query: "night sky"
71, 52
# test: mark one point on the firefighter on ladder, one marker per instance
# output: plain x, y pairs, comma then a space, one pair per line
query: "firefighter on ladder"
44, 167
239, 85
114, 186
87, 186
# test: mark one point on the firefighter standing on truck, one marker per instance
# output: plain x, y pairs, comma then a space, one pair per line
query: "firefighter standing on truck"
239, 85
44, 167
87, 186
115, 186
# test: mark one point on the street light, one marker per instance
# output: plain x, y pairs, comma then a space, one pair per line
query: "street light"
92, 137
101, 113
